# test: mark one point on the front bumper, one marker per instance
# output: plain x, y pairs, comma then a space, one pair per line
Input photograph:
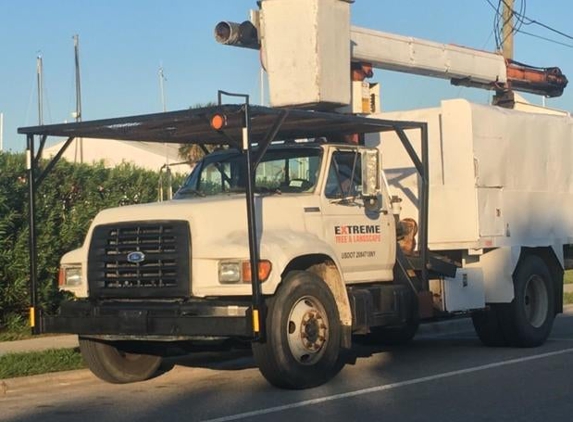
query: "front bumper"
200, 317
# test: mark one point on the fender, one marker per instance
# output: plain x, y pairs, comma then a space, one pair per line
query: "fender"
498, 266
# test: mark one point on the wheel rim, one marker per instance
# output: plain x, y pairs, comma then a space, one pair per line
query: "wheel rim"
536, 301
307, 330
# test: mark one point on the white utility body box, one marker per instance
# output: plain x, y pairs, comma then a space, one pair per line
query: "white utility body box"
498, 177
500, 180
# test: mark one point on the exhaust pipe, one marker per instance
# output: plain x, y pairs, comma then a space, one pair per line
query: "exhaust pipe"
237, 34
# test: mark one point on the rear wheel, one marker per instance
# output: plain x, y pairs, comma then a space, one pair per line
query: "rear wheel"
303, 334
528, 319
488, 326
111, 364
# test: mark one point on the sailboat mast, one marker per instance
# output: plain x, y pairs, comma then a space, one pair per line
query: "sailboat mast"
40, 80
162, 88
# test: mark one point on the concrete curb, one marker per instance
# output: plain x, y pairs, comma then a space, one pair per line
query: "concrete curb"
14, 386
38, 344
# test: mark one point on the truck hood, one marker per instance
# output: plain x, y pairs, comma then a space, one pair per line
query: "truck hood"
218, 224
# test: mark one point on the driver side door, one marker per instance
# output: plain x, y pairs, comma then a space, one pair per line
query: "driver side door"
362, 236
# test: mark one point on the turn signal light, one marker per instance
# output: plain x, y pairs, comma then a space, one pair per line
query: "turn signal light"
265, 268
61, 277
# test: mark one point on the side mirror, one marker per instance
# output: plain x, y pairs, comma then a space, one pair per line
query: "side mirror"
370, 174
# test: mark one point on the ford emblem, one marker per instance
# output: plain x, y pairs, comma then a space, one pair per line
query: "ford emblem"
135, 257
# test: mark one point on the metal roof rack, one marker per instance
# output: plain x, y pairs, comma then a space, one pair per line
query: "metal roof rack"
193, 125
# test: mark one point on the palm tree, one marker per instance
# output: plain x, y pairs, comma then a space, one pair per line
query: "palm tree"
193, 152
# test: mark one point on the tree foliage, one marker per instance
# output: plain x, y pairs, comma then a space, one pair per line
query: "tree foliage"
193, 153
66, 202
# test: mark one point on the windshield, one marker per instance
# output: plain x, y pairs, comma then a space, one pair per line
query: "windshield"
292, 170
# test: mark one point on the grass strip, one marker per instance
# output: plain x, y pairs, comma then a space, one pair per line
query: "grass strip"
14, 335
33, 363
568, 277
568, 298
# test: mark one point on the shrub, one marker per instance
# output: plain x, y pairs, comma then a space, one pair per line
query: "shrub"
66, 202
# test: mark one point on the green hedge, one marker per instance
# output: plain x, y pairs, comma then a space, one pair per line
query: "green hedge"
67, 201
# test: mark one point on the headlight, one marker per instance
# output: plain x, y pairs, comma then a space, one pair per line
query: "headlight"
240, 271
229, 271
70, 276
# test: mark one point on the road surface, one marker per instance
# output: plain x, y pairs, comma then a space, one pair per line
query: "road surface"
445, 377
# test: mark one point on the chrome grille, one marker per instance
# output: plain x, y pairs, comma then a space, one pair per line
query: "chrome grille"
140, 259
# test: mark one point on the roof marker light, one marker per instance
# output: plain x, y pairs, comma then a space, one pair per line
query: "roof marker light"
218, 121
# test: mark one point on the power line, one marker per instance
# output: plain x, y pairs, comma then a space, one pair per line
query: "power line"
525, 20
532, 21
546, 39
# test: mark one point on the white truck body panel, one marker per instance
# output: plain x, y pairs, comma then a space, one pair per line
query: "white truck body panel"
498, 179
463, 292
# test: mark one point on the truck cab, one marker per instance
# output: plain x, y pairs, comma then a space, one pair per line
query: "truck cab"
309, 196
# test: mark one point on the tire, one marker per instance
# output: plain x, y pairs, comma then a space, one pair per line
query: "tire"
395, 336
531, 314
303, 334
528, 319
488, 327
110, 364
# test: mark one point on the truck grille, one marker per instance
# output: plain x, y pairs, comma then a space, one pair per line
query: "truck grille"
148, 259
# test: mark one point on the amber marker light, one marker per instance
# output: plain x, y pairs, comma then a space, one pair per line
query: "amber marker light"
61, 277
264, 270
218, 121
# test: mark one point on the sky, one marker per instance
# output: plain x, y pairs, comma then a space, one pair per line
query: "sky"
123, 43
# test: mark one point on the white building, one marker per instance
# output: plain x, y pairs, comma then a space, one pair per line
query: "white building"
147, 155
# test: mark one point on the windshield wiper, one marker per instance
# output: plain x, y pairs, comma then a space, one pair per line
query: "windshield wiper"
346, 200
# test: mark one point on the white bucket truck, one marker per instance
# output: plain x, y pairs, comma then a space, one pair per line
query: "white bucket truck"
312, 227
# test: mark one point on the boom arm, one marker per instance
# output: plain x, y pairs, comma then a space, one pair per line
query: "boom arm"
461, 65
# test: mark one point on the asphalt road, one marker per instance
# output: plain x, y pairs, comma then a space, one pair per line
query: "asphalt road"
448, 377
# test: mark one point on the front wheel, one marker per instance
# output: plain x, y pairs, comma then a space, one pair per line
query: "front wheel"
303, 334
113, 365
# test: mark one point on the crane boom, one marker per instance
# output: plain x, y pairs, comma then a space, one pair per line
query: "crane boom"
461, 65
422, 57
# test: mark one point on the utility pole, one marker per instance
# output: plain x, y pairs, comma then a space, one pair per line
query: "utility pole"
507, 29
506, 98
78, 112
40, 80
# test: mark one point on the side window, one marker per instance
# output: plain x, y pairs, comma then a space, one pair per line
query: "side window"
216, 178
344, 175
289, 175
